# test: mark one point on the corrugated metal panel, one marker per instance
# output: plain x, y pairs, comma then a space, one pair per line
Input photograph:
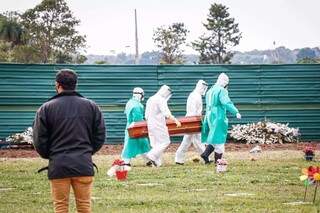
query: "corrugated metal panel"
284, 93
23, 88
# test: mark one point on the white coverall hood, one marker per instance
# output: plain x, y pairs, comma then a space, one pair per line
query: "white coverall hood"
223, 80
201, 87
165, 92
138, 94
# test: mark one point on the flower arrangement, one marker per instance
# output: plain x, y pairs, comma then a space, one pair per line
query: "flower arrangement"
308, 153
310, 176
264, 132
221, 165
119, 169
19, 138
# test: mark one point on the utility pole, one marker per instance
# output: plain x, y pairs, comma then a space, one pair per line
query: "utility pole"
136, 36
275, 55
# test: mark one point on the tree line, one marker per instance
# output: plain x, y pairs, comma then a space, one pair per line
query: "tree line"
47, 34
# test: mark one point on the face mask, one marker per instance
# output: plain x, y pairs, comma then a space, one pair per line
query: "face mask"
138, 96
169, 96
204, 90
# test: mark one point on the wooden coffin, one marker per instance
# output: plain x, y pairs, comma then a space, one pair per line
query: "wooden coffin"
189, 125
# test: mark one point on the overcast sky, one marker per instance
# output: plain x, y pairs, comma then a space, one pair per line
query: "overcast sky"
109, 24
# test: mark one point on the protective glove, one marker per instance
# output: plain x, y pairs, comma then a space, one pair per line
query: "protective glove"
238, 116
178, 123
175, 120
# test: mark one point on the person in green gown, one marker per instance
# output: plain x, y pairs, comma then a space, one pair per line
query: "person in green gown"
134, 112
215, 123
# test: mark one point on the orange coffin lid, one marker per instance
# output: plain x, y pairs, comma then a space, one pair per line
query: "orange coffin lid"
189, 125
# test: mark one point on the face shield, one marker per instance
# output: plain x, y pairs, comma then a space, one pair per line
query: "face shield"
165, 92
202, 87
168, 97
138, 93
223, 80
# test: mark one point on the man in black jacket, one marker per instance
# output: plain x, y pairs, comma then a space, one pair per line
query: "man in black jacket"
68, 130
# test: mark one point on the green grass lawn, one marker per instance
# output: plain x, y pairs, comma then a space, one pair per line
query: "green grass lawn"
270, 184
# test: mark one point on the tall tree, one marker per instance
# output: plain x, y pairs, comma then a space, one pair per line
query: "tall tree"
222, 34
169, 40
11, 30
52, 29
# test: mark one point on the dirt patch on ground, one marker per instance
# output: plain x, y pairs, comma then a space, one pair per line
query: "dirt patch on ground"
116, 149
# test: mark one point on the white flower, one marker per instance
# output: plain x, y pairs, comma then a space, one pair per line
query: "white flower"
24, 137
264, 132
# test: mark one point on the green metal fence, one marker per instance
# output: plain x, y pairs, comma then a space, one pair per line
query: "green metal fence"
282, 93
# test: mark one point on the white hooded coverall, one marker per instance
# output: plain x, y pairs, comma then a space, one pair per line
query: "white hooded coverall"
156, 113
194, 108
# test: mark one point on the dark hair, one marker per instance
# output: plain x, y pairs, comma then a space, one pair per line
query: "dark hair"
67, 79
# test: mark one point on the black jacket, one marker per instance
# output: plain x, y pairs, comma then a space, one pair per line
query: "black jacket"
68, 130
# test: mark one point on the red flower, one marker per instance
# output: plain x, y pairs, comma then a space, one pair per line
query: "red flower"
308, 150
118, 162
312, 170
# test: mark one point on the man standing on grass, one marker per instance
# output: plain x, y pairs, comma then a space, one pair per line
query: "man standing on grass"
68, 130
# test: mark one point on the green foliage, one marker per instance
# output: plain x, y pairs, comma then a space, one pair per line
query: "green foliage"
43, 34
5, 48
169, 41
25, 54
306, 53
51, 28
11, 29
80, 59
222, 34
277, 62
101, 62
308, 60
269, 184
62, 58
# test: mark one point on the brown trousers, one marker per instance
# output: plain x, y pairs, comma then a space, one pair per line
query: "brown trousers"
60, 190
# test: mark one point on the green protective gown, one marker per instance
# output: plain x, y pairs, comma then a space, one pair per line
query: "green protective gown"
215, 123
134, 146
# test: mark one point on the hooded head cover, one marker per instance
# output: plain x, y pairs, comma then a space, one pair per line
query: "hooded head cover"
165, 92
223, 80
201, 87
138, 93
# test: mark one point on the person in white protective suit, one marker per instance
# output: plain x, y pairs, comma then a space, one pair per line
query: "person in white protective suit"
194, 108
156, 113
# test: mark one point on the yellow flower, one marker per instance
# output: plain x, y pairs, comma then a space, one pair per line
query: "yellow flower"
316, 176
